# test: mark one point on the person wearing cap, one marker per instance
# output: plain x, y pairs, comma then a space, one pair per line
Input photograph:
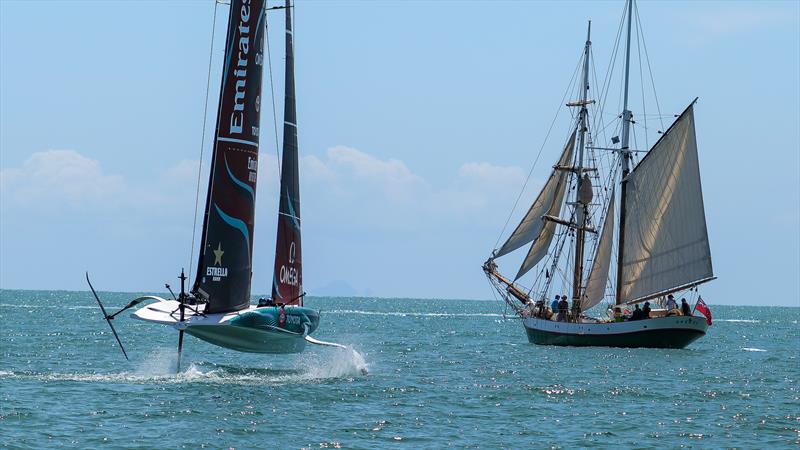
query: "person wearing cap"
671, 303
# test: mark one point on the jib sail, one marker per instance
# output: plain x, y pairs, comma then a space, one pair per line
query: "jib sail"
225, 261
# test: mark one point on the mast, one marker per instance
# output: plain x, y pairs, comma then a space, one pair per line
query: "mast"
583, 193
287, 284
625, 154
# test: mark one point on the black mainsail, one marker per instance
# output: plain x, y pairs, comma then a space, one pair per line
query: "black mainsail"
226, 256
287, 284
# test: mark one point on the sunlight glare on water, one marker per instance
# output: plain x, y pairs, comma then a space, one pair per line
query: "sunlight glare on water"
415, 374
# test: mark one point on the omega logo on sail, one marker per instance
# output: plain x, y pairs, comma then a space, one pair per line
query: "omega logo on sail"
237, 116
289, 276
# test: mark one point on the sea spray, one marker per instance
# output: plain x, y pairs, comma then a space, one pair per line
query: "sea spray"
333, 363
160, 362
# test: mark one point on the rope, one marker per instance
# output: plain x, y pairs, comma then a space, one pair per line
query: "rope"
530, 172
203, 140
272, 94
649, 69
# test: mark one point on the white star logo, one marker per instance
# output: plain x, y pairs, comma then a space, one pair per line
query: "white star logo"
218, 255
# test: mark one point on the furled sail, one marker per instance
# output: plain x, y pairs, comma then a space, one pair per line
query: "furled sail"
287, 285
225, 261
539, 248
666, 241
598, 276
532, 224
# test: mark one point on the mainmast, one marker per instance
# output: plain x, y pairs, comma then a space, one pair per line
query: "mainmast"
625, 154
583, 195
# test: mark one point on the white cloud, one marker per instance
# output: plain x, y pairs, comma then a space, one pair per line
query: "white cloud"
350, 187
59, 177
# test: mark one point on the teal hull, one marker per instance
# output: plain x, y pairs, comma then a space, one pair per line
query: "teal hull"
652, 333
259, 331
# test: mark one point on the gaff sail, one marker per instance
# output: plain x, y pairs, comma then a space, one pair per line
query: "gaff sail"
666, 240
226, 255
598, 276
287, 285
532, 225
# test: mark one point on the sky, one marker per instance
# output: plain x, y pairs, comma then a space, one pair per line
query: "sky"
418, 125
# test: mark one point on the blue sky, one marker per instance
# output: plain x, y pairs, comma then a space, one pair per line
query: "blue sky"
418, 122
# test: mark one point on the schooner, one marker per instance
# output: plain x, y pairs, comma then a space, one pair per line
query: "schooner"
645, 220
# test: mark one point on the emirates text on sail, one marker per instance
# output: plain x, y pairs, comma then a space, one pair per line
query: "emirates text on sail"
237, 117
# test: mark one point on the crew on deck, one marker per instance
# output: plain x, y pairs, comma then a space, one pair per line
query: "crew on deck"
646, 310
672, 307
685, 308
637, 313
563, 309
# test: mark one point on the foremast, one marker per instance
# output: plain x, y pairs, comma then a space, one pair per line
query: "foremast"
625, 157
583, 195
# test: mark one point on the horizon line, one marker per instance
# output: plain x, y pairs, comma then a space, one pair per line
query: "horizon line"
351, 296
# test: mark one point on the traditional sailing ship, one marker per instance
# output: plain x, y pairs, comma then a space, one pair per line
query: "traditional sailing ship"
658, 232
217, 308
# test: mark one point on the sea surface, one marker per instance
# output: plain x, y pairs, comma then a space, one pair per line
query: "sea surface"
441, 373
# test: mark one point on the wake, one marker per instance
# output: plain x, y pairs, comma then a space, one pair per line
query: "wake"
159, 368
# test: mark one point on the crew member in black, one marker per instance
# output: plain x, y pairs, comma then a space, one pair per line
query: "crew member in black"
685, 308
637, 313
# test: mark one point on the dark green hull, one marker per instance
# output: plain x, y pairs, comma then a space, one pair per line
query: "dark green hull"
653, 333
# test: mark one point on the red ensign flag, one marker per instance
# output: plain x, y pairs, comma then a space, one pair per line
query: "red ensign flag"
704, 309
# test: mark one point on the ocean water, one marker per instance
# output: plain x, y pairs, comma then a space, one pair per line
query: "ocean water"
441, 373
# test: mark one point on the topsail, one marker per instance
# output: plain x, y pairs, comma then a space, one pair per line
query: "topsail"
547, 203
666, 241
225, 262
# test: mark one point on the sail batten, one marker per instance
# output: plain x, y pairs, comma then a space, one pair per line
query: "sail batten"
532, 225
225, 258
666, 239
598, 275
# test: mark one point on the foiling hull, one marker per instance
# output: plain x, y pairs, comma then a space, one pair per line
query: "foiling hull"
664, 332
252, 330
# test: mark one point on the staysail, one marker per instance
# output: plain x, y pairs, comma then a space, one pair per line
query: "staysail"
287, 285
225, 261
532, 224
598, 276
666, 241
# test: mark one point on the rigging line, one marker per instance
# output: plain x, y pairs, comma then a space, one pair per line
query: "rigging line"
530, 172
272, 94
639, 39
649, 69
203, 140
610, 70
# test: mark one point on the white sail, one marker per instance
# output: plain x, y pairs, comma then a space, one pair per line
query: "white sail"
532, 224
666, 240
598, 276
539, 248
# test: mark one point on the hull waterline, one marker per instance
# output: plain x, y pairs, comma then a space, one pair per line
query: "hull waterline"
666, 332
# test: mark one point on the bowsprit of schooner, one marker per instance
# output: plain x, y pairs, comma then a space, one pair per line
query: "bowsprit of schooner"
605, 226
217, 307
